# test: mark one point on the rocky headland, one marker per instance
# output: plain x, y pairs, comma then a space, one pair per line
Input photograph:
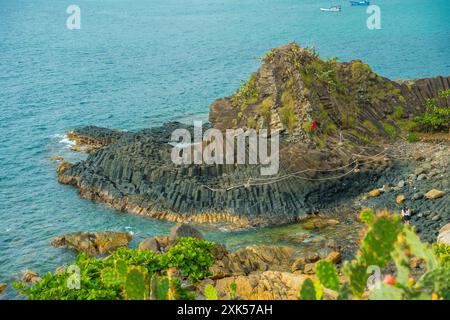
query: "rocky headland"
356, 146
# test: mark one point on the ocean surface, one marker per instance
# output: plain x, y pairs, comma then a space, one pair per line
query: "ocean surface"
136, 64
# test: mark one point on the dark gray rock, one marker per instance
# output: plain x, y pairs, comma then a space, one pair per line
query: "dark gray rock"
183, 230
149, 244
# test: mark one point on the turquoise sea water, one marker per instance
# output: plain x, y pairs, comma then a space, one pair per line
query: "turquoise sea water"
136, 64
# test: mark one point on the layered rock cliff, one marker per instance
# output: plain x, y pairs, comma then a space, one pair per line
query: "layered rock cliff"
354, 111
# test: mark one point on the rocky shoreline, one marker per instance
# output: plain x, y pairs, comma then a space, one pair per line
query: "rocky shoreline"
258, 271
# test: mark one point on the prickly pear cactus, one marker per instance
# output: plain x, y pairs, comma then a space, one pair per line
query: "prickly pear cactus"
233, 290
136, 285
420, 249
160, 287
308, 291
378, 244
327, 275
210, 292
111, 277
357, 274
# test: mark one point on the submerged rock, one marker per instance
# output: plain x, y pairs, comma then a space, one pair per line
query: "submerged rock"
93, 243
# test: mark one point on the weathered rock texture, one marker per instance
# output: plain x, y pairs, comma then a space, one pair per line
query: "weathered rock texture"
263, 272
93, 243
444, 235
91, 138
292, 88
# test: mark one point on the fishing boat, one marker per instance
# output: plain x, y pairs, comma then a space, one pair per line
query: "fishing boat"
360, 3
331, 9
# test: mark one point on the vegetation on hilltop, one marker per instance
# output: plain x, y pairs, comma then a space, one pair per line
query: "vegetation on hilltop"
295, 87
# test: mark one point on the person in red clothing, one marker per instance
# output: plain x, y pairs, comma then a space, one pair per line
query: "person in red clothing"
313, 125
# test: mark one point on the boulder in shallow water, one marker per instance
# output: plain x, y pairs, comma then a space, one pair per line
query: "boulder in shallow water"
183, 230
93, 243
3, 287
29, 276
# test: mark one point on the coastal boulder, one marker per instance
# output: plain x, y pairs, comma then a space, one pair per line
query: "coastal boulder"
149, 244
252, 259
3, 287
298, 264
183, 230
268, 285
400, 198
434, 194
158, 244
334, 257
63, 166
374, 193
444, 235
29, 276
93, 243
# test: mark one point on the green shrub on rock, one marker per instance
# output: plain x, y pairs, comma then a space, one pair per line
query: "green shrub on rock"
191, 256
126, 274
435, 118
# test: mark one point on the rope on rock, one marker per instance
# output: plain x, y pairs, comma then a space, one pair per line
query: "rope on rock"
272, 180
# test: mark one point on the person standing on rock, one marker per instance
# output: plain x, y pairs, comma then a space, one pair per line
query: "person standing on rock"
406, 215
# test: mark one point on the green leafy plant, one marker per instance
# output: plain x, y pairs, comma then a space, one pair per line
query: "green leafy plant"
233, 290
246, 95
390, 130
412, 137
327, 275
435, 118
193, 257
127, 274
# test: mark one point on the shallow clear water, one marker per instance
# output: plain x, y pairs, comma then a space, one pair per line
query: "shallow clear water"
136, 64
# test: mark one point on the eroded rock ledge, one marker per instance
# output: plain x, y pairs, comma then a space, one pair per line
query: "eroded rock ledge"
91, 138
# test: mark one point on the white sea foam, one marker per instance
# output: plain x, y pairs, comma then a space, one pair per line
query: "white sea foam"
64, 139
